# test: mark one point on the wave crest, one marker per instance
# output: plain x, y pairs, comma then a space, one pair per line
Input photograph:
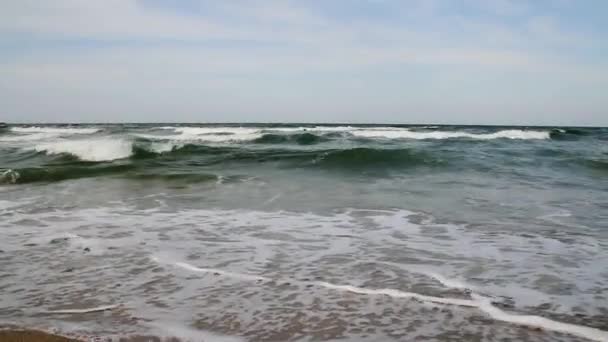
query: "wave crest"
55, 130
95, 150
299, 135
416, 135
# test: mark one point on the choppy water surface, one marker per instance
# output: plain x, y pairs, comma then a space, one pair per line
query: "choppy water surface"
304, 232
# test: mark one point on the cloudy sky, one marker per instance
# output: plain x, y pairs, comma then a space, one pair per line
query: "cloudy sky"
385, 61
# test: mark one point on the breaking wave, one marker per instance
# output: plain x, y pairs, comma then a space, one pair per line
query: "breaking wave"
55, 130
308, 135
95, 150
420, 135
67, 152
206, 134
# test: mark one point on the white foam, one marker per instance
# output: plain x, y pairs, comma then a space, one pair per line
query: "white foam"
7, 205
486, 306
34, 133
207, 134
28, 137
9, 176
329, 129
479, 302
451, 283
237, 134
102, 149
240, 276
407, 134
55, 130
87, 310
218, 134
399, 294
404, 133
162, 147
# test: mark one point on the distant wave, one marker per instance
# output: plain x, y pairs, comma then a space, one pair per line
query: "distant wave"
207, 134
407, 134
19, 135
55, 130
273, 134
282, 134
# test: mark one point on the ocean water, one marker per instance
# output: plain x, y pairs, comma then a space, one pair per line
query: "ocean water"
305, 232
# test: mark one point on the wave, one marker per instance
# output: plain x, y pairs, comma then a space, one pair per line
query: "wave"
27, 137
361, 157
51, 174
407, 134
143, 163
355, 158
95, 150
207, 134
597, 164
568, 133
283, 134
35, 133
55, 130
60, 173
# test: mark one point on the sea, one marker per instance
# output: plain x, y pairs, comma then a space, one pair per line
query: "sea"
307, 232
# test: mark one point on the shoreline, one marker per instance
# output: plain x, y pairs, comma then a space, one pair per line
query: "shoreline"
33, 335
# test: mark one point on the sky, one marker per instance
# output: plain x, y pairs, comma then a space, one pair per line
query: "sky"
537, 62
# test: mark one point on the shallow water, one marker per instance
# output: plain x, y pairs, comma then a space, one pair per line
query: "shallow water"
292, 232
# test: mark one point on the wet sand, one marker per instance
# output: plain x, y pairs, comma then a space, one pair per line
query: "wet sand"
31, 335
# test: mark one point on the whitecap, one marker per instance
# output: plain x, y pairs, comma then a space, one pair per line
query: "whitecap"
102, 149
206, 134
162, 147
86, 310
55, 130
407, 134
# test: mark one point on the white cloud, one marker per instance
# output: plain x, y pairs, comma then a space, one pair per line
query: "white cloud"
204, 61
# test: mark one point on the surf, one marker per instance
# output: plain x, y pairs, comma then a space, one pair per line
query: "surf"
476, 301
